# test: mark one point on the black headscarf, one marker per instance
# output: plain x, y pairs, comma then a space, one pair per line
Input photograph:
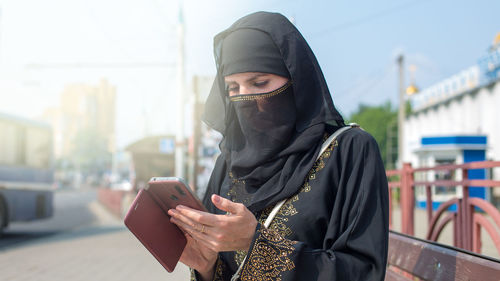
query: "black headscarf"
251, 50
271, 140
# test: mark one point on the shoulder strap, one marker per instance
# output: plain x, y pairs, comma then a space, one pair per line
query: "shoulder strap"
278, 205
334, 136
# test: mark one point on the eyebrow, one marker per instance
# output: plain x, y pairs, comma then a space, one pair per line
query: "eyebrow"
249, 79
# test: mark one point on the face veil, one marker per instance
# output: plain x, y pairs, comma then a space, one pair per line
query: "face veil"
265, 125
269, 141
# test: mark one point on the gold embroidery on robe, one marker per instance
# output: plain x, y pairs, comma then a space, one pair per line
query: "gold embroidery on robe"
239, 185
269, 258
239, 256
279, 222
193, 275
219, 269
271, 251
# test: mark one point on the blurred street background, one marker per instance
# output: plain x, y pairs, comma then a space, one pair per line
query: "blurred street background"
97, 97
81, 241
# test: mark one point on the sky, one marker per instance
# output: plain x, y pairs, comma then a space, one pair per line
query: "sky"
355, 42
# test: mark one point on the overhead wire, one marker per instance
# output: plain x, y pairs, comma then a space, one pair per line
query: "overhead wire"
364, 88
367, 18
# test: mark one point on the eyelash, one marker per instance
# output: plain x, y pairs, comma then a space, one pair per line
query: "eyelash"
260, 84
255, 84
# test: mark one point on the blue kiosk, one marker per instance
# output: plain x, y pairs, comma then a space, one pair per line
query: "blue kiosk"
457, 149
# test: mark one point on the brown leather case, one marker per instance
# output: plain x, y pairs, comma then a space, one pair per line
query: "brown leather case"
149, 222
172, 191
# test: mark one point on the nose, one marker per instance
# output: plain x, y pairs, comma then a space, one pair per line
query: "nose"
244, 90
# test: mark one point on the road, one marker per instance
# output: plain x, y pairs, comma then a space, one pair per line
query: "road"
82, 241
71, 210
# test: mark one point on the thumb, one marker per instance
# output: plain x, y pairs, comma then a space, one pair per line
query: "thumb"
227, 205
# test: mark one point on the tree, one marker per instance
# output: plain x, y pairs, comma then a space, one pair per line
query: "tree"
380, 121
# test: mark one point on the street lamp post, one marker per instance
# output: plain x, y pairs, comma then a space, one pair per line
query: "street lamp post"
179, 134
401, 113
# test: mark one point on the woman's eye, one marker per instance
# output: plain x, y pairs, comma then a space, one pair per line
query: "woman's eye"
260, 83
232, 89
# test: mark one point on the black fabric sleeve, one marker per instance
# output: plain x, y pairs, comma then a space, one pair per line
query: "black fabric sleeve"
214, 183
355, 244
221, 272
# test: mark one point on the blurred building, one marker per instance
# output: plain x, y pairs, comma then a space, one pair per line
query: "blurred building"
203, 142
208, 151
151, 157
83, 107
456, 121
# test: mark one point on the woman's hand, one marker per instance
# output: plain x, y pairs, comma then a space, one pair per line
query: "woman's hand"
218, 233
199, 257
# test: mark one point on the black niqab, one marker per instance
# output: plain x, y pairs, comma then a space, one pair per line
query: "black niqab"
251, 50
266, 166
261, 135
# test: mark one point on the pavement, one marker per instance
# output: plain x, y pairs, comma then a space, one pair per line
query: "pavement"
105, 250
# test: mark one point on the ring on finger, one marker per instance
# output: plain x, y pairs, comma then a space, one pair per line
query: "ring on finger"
202, 228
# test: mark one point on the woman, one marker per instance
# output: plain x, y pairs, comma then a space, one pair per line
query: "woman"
272, 105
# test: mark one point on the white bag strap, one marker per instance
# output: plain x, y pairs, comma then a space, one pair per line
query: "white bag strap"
278, 205
334, 136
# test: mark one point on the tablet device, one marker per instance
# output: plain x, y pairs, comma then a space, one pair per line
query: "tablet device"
174, 191
149, 221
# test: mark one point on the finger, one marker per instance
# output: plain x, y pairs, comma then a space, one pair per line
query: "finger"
227, 205
182, 218
199, 227
202, 238
210, 238
190, 229
197, 216
185, 227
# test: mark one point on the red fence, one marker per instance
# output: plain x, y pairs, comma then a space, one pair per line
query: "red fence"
111, 199
467, 221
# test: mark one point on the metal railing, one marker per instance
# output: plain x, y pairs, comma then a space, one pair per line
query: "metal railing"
471, 212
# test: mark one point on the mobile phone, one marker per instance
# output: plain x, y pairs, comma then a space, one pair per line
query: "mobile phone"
149, 221
150, 224
173, 191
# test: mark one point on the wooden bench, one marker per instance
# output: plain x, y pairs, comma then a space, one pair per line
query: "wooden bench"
411, 259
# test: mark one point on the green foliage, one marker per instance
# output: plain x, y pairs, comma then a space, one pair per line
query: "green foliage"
408, 108
381, 122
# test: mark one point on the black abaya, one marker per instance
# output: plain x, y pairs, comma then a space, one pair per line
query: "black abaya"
334, 228
334, 224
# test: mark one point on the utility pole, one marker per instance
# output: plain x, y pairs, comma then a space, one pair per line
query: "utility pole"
198, 108
401, 113
390, 145
1, 17
179, 134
